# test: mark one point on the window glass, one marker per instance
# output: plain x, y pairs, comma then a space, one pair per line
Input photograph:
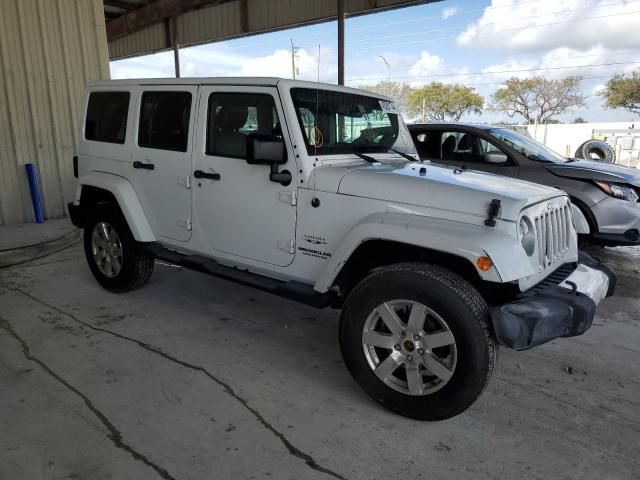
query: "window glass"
460, 147
107, 117
427, 143
164, 120
342, 122
232, 117
527, 146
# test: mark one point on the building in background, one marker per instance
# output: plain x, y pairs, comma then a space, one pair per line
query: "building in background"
49, 49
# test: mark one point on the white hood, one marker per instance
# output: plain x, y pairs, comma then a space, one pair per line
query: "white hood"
435, 186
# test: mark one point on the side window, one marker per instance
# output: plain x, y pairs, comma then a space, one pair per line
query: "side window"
164, 120
234, 116
427, 144
107, 117
460, 147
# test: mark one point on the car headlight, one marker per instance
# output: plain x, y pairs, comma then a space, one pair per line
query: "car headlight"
615, 190
527, 235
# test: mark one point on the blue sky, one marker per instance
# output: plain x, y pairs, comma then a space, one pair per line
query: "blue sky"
475, 43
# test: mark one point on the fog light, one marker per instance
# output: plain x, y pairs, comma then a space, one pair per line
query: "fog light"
484, 263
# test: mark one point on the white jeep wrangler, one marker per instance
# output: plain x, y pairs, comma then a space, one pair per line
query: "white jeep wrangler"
315, 192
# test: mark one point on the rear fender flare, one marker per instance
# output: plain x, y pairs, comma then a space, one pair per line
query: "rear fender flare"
127, 200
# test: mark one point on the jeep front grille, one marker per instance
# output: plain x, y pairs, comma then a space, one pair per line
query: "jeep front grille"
552, 235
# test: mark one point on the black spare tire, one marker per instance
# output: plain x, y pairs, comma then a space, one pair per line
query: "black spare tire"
596, 150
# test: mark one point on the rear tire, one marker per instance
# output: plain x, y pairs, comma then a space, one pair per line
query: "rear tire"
112, 252
396, 365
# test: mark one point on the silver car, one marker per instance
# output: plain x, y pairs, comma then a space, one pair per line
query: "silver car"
606, 196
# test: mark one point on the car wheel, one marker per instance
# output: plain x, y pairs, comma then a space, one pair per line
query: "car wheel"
112, 253
596, 150
416, 338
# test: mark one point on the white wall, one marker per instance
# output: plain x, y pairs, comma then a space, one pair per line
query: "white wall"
565, 138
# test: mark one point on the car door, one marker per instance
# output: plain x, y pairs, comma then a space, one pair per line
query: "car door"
238, 209
466, 149
162, 158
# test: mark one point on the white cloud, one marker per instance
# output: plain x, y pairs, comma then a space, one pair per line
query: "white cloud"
523, 25
432, 68
449, 12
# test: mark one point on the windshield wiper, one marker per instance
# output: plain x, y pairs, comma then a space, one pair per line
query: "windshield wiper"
404, 155
366, 157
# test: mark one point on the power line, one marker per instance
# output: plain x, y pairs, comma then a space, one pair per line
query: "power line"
488, 24
500, 71
491, 33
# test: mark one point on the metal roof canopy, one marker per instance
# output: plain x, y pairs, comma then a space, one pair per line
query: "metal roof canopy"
141, 27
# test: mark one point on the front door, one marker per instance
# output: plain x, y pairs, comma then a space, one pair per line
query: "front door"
162, 158
468, 150
237, 208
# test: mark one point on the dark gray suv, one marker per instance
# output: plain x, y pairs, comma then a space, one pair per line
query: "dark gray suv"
606, 196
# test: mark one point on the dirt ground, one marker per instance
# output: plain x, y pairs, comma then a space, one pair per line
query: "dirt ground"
193, 377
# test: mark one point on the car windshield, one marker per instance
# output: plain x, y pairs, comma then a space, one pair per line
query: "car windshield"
528, 147
348, 123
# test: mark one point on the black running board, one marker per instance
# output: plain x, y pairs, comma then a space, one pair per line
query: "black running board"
298, 291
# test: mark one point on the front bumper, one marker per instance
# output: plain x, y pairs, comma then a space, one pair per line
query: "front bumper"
564, 310
618, 222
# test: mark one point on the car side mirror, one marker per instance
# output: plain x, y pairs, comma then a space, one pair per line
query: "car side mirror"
265, 150
269, 150
496, 158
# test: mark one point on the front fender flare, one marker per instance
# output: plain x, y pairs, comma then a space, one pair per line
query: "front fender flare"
464, 240
127, 200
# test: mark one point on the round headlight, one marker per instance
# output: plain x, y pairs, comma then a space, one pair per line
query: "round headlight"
527, 235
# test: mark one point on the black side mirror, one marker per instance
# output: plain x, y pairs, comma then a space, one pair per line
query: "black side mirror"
265, 150
269, 150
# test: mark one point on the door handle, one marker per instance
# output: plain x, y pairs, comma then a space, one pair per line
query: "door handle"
146, 166
210, 176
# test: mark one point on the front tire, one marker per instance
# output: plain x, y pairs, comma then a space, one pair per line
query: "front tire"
112, 253
415, 337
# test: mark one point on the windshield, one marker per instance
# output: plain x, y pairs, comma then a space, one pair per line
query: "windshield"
341, 122
528, 147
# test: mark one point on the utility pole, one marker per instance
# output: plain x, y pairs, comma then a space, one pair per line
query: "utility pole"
388, 68
294, 50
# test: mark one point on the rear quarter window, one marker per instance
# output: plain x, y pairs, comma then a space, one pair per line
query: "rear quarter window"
107, 117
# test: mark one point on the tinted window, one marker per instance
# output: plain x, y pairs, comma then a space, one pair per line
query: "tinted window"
427, 143
107, 117
234, 116
164, 120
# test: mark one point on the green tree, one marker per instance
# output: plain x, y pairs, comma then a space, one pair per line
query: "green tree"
623, 91
537, 98
441, 102
396, 91
579, 120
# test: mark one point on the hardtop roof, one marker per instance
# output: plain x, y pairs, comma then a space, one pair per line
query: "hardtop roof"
230, 81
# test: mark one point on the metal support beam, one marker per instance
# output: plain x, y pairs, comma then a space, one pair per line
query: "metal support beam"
153, 13
341, 16
244, 16
176, 48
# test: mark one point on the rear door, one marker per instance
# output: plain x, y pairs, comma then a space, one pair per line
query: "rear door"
162, 157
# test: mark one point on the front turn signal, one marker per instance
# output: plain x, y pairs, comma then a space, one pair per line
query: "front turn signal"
484, 263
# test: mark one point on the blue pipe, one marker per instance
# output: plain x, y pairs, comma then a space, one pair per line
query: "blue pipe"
36, 198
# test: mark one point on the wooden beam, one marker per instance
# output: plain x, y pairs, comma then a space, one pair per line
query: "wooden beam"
153, 13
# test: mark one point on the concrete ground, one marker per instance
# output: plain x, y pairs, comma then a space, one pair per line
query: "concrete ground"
193, 377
